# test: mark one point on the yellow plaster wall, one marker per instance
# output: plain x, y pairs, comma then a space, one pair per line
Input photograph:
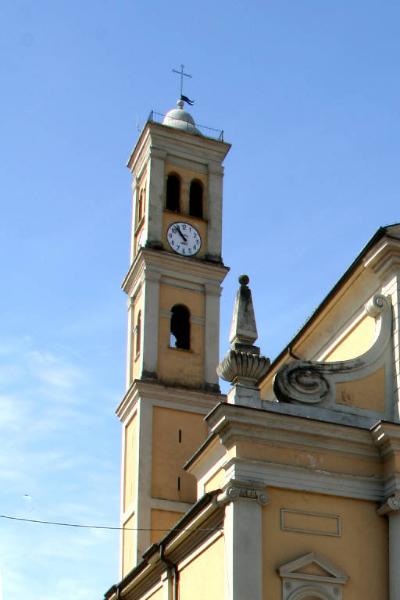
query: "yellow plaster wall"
128, 546
130, 463
357, 341
169, 455
367, 393
161, 522
203, 578
185, 367
361, 550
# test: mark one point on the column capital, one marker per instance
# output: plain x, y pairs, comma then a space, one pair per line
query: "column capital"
152, 275
156, 152
235, 490
212, 288
391, 505
215, 168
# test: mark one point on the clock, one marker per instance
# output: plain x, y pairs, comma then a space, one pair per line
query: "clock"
184, 239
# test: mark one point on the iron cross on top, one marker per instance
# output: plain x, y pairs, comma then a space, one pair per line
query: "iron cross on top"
182, 74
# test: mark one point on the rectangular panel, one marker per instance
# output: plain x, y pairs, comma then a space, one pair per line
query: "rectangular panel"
310, 522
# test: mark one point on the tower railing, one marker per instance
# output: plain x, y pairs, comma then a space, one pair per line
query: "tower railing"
211, 132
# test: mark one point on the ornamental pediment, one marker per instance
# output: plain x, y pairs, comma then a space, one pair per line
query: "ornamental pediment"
312, 576
313, 567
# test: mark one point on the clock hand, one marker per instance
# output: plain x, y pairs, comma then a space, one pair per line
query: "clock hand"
181, 234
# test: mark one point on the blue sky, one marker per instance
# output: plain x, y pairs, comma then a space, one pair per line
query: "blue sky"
308, 93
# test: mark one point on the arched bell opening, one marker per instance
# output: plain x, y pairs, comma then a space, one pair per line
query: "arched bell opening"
196, 199
173, 197
180, 327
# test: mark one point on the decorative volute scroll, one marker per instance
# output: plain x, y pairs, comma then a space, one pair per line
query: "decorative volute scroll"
314, 383
238, 489
243, 364
392, 504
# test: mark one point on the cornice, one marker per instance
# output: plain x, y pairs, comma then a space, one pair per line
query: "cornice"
156, 391
164, 263
386, 437
178, 143
384, 257
303, 478
237, 423
137, 152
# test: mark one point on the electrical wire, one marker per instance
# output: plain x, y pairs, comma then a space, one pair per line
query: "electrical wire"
79, 526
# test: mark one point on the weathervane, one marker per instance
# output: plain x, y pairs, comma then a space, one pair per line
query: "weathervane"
182, 75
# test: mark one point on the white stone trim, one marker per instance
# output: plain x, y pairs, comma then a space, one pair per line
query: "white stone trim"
306, 479
298, 586
243, 549
391, 508
211, 331
150, 323
235, 490
179, 144
179, 398
215, 195
121, 502
343, 332
144, 475
129, 344
173, 266
311, 531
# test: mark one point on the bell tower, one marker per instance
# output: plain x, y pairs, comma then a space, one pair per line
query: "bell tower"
173, 287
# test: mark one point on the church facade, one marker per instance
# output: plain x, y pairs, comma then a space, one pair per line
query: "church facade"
287, 487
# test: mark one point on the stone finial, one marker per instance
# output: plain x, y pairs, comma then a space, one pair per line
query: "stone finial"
243, 365
243, 327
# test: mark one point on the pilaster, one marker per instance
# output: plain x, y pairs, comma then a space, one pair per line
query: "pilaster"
391, 508
243, 542
215, 178
211, 332
151, 303
129, 349
144, 478
155, 197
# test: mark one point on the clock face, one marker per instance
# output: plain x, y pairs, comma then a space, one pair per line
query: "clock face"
184, 239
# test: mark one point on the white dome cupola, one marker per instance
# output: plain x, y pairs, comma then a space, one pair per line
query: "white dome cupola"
181, 119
